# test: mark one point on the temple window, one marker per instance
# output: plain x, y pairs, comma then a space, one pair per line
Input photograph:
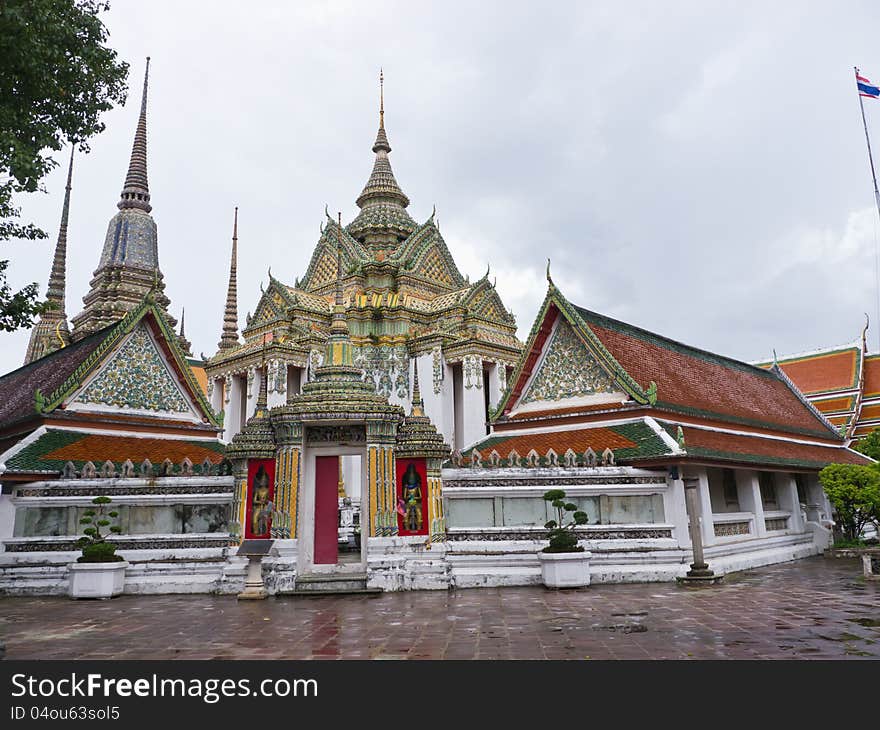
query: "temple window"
768, 490
801, 482
723, 492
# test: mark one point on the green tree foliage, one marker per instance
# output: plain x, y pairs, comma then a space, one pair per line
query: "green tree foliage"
561, 535
870, 445
95, 547
854, 491
57, 76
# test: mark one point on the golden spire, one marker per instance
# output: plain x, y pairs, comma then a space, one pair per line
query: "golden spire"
381, 99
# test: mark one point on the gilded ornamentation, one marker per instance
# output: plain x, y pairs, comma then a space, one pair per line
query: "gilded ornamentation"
472, 369
386, 367
568, 370
437, 364
136, 377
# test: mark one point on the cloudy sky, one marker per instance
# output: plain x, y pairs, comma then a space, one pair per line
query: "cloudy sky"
696, 168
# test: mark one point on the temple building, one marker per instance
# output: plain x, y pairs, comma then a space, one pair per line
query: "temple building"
406, 301
672, 451
117, 409
377, 425
843, 382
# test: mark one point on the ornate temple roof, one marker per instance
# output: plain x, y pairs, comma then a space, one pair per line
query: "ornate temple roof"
44, 386
842, 382
581, 367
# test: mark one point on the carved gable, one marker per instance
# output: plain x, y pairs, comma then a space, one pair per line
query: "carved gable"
136, 377
567, 370
433, 267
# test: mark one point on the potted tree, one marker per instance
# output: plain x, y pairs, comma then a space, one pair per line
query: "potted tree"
564, 563
99, 572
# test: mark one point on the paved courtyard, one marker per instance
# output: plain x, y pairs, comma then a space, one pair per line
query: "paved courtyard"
818, 608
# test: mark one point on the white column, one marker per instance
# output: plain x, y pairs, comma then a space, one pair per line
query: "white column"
750, 499
494, 383
473, 401
675, 509
438, 398
295, 378
277, 392
217, 394
706, 519
786, 494
254, 377
232, 403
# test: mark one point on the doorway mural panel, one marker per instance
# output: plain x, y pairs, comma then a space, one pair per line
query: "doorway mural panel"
260, 499
412, 497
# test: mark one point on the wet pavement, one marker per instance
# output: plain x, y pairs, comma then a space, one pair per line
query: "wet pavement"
818, 608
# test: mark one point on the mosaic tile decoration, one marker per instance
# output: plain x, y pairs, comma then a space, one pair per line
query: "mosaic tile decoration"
568, 370
136, 377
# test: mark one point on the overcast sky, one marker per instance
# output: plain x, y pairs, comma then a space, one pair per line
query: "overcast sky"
695, 168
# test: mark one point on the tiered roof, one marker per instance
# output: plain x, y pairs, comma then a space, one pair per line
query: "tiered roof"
587, 383
842, 382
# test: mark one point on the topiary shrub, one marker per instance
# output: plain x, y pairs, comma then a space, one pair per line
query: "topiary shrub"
94, 545
561, 534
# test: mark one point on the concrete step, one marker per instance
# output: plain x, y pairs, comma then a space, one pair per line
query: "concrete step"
332, 592
322, 583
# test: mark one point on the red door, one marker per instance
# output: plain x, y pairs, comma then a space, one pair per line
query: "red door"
326, 509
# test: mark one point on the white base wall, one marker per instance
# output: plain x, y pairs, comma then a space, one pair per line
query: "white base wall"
401, 564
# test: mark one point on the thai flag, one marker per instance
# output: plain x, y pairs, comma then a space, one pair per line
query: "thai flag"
866, 88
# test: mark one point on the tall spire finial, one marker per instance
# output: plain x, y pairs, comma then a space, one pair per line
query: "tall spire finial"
182, 325
229, 337
57, 279
418, 405
136, 190
52, 332
381, 142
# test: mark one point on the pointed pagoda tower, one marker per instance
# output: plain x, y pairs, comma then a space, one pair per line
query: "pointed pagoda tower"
51, 332
383, 221
229, 336
129, 265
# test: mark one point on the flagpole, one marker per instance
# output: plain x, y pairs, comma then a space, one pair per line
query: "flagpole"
868, 140
874, 178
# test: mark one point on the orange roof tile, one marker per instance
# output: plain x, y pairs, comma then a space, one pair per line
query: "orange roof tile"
717, 445
824, 372
872, 375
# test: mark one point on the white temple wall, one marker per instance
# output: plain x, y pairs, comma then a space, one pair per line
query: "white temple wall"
494, 381
438, 405
473, 403
7, 515
232, 402
255, 377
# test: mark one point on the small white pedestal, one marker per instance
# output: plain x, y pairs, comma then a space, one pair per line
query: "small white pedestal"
97, 580
565, 570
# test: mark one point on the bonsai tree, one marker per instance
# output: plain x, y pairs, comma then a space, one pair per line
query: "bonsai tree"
854, 491
561, 534
95, 548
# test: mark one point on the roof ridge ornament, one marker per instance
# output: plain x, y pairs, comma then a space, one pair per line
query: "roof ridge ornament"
549, 278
